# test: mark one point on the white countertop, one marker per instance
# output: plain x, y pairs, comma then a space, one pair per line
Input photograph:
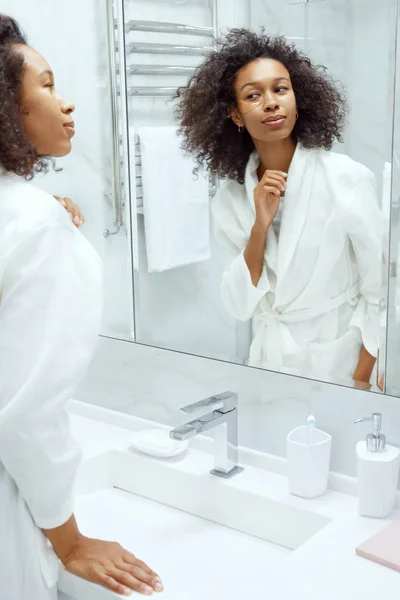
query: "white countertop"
200, 559
194, 557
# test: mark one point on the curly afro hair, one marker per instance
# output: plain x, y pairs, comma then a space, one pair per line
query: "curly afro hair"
203, 106
17, 154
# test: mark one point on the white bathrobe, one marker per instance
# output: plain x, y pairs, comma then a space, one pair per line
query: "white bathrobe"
318, 297
50, 305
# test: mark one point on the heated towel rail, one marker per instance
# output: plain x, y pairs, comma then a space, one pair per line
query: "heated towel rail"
133, 48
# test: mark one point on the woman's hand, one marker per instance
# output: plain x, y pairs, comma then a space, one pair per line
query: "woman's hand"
267, 195
109, 565
362, 385
73, 209
104, 563
363, 372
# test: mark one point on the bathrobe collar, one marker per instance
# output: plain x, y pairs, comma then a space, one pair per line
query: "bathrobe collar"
296, 202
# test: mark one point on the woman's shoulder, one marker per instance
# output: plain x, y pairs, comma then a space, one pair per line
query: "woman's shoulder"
29, 207
227, 193
28, 214
228, 187
350, 171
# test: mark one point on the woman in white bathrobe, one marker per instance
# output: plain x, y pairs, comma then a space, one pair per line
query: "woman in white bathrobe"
302, 223
50, 296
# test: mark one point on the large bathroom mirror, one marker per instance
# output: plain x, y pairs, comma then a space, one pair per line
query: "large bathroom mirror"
392, 324
290, 274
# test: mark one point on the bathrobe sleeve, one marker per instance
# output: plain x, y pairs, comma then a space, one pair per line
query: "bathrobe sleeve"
49, 320
365, 229
232, 228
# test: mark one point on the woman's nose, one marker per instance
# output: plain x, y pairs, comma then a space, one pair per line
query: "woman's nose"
270, 102
67, 107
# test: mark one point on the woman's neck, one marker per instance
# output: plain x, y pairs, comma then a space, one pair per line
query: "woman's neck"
275, 156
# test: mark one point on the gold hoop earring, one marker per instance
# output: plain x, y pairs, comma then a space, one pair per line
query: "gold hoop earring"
240, 128
297, 115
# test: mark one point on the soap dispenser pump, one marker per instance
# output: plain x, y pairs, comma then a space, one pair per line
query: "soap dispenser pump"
378, 471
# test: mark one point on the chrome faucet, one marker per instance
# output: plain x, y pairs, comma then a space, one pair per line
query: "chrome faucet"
223, 417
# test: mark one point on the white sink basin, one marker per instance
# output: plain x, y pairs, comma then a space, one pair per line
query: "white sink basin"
205, 536
215, 539
196, 559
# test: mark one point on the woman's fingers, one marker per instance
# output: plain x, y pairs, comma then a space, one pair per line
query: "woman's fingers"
141, 571
110, 565
73, 209
145, 577
277, 184
130, 581
273, 173
147, 569
272, 190
274, 177
132, 560
112, 584
273, 185
279, 181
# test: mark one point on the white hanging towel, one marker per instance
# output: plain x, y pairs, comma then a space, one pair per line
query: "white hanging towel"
176, 204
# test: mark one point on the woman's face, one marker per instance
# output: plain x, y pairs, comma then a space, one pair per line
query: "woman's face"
46, 115
266, 104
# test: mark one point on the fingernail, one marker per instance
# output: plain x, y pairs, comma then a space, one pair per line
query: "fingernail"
81, 223
77, 220
148, 590
63, 203
158, 587
127, 592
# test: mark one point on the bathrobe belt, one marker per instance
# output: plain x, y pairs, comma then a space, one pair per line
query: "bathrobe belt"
280, 341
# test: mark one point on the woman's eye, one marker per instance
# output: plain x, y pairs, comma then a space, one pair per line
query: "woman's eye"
252, 96
281, 89
49, 85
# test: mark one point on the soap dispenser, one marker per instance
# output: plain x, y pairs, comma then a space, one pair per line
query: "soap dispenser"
378, 472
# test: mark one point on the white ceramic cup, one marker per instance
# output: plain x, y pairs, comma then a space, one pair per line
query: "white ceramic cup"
308, 463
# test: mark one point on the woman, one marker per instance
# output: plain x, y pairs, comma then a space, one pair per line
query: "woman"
50, 282
302, 223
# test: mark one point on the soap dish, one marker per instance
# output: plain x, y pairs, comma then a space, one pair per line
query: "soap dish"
157, 443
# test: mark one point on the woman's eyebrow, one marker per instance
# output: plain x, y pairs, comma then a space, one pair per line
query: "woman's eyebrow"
47, 72
255, 82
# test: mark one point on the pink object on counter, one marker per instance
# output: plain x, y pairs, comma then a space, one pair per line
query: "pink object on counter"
384, 547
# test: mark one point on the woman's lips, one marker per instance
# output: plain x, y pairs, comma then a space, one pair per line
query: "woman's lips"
70, 129
274, 123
